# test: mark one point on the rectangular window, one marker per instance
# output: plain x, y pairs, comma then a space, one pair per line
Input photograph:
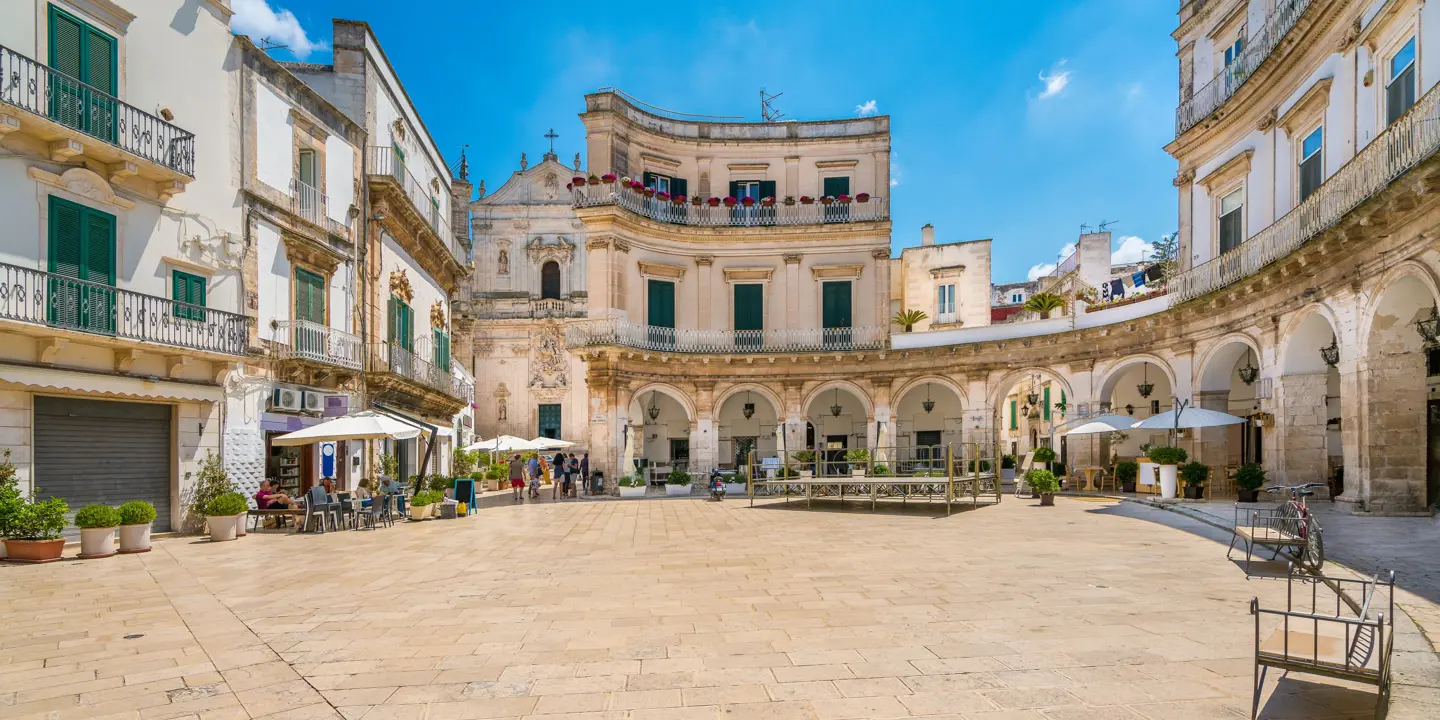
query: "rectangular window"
188, 289
1400, 90
1312, 162
749, 315
836, 186
661, 183
309, 296
945, 299
307, 167
1014, 419
1017, 298
82, 257
741, 189
82, 98
1233, 50
1232, 221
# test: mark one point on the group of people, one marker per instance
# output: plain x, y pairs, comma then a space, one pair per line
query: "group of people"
566, 471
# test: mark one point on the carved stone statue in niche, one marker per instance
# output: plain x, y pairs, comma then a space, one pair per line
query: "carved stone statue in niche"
552, 186
502, 263
548, 368
502, 414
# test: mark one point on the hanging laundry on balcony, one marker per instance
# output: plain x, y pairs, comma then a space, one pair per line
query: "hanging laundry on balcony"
1138, 279
1117, 289
1154, 273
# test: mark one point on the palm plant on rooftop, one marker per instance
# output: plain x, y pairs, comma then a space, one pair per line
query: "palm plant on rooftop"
1045, 303
909, 318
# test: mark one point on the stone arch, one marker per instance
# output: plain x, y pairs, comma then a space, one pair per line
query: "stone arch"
846, 385
1116, 369
1404, 273
922, 380
1304, 333
757, 388
1012, 378
1216, 361
666, 389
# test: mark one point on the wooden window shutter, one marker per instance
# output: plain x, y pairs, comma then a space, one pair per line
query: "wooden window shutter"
734, 189
679, 187
66, 246
767, 188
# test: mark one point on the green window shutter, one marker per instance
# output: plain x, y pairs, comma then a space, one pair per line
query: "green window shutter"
837, 186
749, 307
678, 186
309, 296
1014, 421
662, 304
392, 325
442, 350
647, 179
767, 188
66, 244
99, 247
188, 289
87, 55
835, 301
734, 189
407, 327
100, 71
1047, 403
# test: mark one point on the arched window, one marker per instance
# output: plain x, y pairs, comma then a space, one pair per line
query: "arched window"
550, 281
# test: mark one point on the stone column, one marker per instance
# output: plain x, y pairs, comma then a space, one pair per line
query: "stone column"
704, 316
704, 438
794, 415
620, 296
880, 389
792, 293
1301, 431
597, 275
1212, 444
1396, 446
1354, 391
882, 288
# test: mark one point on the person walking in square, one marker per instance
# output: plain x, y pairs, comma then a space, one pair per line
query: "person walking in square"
517, 476
585, 472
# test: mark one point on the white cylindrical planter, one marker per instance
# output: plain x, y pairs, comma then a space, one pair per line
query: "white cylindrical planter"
135, 538
97, 542
1168, 480
240, 521
222, 527
673, 490
632, 492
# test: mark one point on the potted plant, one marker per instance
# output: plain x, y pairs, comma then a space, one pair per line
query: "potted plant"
730, 202
222, 515
984, 466
880, 470
495, 475
422, 504
747, 201
843, 199
577, 181
1044, 303
1007, 467
862, 198
10, 497
714, 202
806, 458
767, 201
1195, 474
1169, 459
789, 200
97, 525
592, 179
608, 178
136, 518
858, 459
1249, 478
632, 486
1125, 474
827, 200
1043, 484
677, 482
807, 200
1044, 456
907, 319
32, 530
678, 199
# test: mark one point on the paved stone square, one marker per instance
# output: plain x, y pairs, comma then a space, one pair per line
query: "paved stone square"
666, 609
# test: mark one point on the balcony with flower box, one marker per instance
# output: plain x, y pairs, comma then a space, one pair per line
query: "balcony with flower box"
729, 211
66, 119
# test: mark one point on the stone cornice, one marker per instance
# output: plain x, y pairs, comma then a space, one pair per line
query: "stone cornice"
1236, 167
750, 274
1308, 107
661, 270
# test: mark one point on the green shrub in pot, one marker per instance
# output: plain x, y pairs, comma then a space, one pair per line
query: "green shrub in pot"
136, 518
1044, 484
1125, 474
227, 504
97, 525
1249, 478
1044, 456
678, 477
1166, 455
93, 517
137, 512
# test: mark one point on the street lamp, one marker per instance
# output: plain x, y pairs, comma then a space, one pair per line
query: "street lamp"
1249, 372
1145, 387
1331, 354
749, 409
836, 409
928, 404
1429, 328
654, 411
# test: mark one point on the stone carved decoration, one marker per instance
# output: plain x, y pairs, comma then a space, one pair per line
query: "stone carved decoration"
558, 248
523, 162
1183, 178
399, 129
82, 182
400, 285
437, 315
501, 396
577, 161
552, 186
502, 262
1267, 120
1352, 34
548, 366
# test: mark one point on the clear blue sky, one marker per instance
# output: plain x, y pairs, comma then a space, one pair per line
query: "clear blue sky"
1016, 121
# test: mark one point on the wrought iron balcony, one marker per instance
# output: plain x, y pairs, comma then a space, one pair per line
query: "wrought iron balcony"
396, 360
57, 301
1410, 140
305, 340
385, 163
724, 342
528, 309
67, 102
312, 206
1230, 77
705, 215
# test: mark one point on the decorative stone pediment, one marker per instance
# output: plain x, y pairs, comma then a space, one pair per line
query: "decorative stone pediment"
82, 182
837, 272
437, 315
750, 274
555, 247
662, 270
1233, 169
400, 285
1310, 107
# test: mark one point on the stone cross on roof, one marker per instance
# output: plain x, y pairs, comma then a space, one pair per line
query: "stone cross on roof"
551, 135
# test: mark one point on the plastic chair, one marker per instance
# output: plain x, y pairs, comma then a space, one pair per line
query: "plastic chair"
316, 505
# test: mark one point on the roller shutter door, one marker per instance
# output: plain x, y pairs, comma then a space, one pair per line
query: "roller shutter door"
96, 451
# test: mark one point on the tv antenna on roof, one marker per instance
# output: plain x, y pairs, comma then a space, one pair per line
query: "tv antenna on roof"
1105, 225
1084, 228
266, 45
768, 113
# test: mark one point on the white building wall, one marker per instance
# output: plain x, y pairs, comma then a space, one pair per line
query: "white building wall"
339, 178
274, 281
274, 139
427, 291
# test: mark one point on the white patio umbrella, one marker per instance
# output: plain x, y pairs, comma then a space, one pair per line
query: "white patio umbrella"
1185, 417
363, 425
627, 459
1101, 424
882, 438
542, 443
504, 443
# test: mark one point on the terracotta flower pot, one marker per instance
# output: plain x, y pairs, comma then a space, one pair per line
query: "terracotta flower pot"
807, 200
97, 542
1047, 499
222, 527
1248, 495
714, 202
34, 551
135, 538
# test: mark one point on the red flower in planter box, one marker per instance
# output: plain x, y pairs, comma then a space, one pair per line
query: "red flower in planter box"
577, 181
697, 201
680, 199
637, 186
570, 186
747, 201
661, 195
862, 197
843, 199
827, 200
767, 201
714, 201
730, 202
649, 191
807, 200
608, 178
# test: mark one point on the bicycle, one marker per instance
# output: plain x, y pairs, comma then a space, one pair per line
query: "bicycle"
1296, 516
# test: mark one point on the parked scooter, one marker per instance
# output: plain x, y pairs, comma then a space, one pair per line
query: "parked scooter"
717, 487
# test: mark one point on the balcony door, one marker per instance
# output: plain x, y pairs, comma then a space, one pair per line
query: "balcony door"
83, 97
82, 259
749, 316
660, 315
549, 426
835, 187
309, 314
835, 313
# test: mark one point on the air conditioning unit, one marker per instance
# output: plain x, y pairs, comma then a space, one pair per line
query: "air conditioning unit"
285, 399
314, 402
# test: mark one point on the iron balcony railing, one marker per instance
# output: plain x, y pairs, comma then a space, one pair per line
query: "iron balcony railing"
305, 340
1402, 146
313, 207
461, 381
49, 93
58, 301
1229, 78
757, 215
387, 162
394, 359
724, 342
528, 309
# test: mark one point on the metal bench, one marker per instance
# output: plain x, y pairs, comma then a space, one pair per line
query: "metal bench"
1268, 528
257, 517
1351, 642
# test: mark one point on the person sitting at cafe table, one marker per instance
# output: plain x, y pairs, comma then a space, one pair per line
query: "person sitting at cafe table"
363, 494
268, 498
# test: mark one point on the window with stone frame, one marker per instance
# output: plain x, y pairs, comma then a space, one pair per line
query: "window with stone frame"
1311, 166
1400, 81
1230, 219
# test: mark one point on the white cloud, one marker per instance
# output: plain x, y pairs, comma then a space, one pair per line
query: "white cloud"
258, 20
1039, 271
867, 108
1132, 250
1055, 81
